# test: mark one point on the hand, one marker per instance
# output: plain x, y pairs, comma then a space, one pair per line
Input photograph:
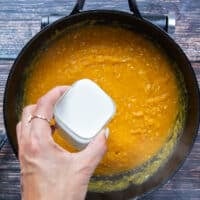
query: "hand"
48, 171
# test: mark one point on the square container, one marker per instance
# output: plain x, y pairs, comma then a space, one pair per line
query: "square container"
82, 112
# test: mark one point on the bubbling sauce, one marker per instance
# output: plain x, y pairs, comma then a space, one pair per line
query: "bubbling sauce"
133, 70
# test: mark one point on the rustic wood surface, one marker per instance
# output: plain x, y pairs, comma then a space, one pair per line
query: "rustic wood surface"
20, 20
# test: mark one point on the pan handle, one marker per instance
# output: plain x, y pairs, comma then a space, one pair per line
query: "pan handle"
78, 7
132, 6
166, 22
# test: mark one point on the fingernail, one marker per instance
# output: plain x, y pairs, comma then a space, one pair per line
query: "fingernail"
106, 132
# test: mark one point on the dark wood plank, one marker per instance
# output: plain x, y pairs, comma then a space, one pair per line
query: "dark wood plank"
9, 174
4, 70
20, 20
9, 166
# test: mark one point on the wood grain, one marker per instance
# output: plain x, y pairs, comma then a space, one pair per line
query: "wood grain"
20, 20
4, 70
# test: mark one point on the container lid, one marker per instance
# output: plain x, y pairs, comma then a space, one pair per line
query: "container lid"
84, 110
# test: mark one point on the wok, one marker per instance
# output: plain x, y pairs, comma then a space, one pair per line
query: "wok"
133, 21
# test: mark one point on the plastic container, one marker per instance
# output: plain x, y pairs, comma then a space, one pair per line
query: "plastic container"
82, 112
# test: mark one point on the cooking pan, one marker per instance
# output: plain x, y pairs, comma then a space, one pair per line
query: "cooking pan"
133, 20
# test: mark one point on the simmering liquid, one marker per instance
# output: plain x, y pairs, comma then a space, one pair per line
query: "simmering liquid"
133, 70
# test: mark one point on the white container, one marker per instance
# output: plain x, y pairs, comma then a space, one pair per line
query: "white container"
82, 112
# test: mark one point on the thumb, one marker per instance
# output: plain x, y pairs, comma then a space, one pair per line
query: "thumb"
96, 149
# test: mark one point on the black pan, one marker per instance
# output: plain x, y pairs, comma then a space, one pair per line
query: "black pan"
135, 21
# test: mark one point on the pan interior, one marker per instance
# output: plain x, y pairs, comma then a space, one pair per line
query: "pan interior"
142, 79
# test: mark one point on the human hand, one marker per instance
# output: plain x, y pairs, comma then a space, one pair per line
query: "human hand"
48, 171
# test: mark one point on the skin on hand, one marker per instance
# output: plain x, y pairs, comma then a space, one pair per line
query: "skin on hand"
48, 171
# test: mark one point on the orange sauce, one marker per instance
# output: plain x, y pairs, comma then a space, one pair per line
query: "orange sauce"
133, 70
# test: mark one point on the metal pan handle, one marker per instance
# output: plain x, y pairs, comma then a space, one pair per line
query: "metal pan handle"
166, 22
132, 6
78, 7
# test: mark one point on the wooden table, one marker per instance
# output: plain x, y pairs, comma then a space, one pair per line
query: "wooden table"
20, 20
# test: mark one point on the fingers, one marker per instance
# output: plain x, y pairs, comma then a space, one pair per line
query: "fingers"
96, 149
46, 103
23, 127
44, 108
18, 131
